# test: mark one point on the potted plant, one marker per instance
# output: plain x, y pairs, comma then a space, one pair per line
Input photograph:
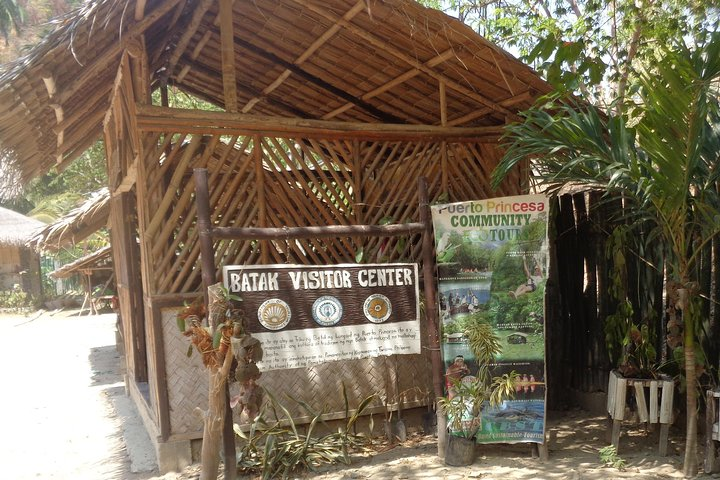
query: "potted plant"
468, 394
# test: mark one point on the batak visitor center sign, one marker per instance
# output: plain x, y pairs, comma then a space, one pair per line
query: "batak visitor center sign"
308, 315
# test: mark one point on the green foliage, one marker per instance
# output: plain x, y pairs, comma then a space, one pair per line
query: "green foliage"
660, 157
609, 457
596, 47
463, 409
274, 446
16, 299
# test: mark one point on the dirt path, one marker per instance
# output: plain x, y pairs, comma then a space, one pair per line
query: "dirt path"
65, 416
61, 373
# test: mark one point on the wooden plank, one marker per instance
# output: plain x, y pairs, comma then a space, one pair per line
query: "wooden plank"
653, 418
711, 460
663, 442
620, 396
615, 439
640, 400
667, 402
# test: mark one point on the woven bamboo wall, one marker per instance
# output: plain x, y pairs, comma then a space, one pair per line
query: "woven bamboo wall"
406, 376
276, 182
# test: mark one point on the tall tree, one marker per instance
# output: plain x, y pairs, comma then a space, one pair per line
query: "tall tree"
665, 166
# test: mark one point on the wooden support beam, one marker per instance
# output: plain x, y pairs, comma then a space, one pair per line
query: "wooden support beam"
139, 9
317, 81
286, 107
128, 181
227, 51
153, 118
400, 79
187, 35
443, 104
199, 48
51, 88
519, 98
382, 45
320, 41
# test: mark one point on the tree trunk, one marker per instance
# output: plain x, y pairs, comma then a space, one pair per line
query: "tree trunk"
214, 420
690, 464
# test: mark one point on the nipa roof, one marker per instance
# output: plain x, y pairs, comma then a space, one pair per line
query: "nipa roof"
373, 61
99, 259
76, 225
15, 228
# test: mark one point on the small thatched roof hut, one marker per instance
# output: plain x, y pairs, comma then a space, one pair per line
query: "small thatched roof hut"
19, 263
323, 113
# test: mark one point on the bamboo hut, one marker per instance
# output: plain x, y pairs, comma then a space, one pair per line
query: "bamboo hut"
96, 271
19, 264
318, 113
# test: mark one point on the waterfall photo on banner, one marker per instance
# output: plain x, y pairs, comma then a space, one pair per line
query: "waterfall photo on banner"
492, 259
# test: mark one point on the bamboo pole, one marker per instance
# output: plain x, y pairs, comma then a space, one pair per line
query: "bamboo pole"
272, 233
227, 51
383, 45
431, 310
152, 118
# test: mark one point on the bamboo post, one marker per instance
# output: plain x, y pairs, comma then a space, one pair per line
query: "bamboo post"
431, 307
202, 200
262, 202
227, 50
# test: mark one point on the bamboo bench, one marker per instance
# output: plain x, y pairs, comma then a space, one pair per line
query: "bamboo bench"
653, 407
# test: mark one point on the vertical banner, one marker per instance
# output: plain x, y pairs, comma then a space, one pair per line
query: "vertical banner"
492, 258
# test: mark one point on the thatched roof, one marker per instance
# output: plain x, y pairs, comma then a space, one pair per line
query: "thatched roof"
100, 259
372, 61
76, 225
15, 228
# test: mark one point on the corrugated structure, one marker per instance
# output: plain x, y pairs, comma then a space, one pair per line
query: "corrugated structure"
324, 113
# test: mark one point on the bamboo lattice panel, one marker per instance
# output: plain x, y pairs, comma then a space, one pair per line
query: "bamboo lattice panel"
320, 386
276, 182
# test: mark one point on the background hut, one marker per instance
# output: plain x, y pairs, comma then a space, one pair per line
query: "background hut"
19, 263
77, 225
318, 112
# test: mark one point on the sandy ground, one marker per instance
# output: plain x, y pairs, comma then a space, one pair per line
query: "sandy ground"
66, 416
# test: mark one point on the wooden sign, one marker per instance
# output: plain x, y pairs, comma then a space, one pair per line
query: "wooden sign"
306, 315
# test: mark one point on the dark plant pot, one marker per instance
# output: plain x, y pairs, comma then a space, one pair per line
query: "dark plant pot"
460, 451
395, 430
429, 423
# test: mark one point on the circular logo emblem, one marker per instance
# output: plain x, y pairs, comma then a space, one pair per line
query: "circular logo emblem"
377, 308
327, 311
274, 314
